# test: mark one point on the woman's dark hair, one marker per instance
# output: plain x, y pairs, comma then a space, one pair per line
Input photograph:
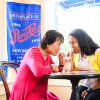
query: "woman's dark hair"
87, 45
50, 37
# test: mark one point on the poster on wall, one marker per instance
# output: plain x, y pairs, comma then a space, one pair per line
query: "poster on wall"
23, 29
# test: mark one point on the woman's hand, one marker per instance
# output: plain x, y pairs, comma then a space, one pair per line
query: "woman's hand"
54, 68
61, 57
84, 94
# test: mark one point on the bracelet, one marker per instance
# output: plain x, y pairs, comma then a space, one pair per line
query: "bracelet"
89, 90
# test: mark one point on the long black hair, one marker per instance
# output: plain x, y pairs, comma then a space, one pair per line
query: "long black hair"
87, 45
50, 37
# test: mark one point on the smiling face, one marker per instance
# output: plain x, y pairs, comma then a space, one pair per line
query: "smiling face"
54, 48
74, 44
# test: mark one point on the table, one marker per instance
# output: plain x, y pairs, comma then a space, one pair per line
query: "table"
74, 77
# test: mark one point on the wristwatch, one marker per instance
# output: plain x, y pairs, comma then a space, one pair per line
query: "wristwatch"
61, 65
89, 90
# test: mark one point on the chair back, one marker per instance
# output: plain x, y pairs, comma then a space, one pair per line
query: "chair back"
7, 64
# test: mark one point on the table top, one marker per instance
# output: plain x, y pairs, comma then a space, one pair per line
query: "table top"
74, 75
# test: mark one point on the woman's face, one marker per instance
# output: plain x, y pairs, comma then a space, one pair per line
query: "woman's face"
74, 44
54, 48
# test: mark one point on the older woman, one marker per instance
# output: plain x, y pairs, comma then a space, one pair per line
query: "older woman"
30, 83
